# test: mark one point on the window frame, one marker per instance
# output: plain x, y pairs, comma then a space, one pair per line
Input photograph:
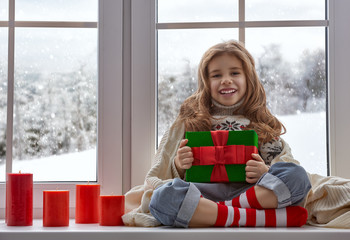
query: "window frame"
337, 113
131, 26
110, 82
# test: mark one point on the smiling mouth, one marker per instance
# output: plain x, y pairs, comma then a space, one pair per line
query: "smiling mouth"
227, 91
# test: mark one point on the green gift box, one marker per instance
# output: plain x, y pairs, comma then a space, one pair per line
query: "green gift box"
220, 156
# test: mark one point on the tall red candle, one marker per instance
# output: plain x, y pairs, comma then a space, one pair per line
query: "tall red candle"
19, 199
111, 210
86, 209
56, 208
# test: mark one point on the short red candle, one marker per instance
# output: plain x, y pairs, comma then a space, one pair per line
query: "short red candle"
111, 210
86, 209
19, 199
56, 208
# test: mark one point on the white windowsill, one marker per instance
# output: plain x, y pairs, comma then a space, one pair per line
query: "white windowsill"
94, 231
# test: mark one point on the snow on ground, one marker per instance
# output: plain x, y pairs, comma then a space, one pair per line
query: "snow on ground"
306, 135
79, 166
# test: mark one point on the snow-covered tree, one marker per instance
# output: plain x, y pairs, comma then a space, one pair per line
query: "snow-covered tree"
172, 91
3, 109
276, 76
311, 80
54, 113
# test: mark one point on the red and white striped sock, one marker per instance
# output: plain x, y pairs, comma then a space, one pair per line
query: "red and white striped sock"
292, 216
245, 200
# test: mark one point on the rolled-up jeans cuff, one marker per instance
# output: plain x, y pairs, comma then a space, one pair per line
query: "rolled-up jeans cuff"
188, 206
276, 185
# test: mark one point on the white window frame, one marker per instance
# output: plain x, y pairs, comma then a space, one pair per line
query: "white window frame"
143, 89
110, 95
338, 84
127, 95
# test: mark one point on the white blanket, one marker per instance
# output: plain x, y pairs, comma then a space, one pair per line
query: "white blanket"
328, 202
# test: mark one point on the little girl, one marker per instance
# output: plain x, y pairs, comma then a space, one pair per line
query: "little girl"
229, 97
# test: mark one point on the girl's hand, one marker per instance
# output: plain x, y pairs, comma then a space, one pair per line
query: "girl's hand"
255, 168
184, 157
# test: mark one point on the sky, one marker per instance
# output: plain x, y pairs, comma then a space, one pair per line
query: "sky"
183, 46
227, 10
52, 10
176, 47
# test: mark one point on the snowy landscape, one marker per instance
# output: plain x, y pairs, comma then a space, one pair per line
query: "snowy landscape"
308, 147
307, 137
80, 166
55, 115
55, 120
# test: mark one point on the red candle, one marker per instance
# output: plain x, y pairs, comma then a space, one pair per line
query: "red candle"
56, 208
111, 210
86, 209
19, 199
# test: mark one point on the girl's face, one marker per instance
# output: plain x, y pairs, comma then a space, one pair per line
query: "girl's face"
227, 79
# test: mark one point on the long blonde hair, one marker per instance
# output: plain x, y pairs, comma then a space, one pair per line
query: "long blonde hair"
195, 110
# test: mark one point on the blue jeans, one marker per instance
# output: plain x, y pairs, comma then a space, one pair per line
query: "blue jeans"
174, 203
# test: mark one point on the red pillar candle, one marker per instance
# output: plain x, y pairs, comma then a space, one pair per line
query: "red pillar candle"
86, 209
19, 199
56, 208
111, 210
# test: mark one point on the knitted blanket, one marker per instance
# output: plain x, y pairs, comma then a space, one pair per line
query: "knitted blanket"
328, 202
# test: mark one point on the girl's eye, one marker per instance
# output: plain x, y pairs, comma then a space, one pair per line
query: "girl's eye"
235, 73
216, 76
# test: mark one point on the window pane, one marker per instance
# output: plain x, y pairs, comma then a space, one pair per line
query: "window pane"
4, 10
197, 11
55, 104
3, 100
294, 77
179, 53
260, 10
56, 10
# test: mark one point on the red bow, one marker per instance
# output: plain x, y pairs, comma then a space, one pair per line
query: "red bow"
219, 155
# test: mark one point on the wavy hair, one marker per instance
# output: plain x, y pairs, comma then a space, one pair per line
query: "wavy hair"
195, 111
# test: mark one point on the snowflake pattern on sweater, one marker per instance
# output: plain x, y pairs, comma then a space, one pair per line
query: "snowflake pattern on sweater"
230, 126
267, 151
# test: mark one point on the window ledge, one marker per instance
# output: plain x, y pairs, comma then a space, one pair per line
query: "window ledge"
94, 231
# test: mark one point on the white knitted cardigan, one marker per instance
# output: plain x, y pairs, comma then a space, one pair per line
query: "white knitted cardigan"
328, 202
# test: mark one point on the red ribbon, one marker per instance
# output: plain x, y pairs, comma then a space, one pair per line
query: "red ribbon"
219, 155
